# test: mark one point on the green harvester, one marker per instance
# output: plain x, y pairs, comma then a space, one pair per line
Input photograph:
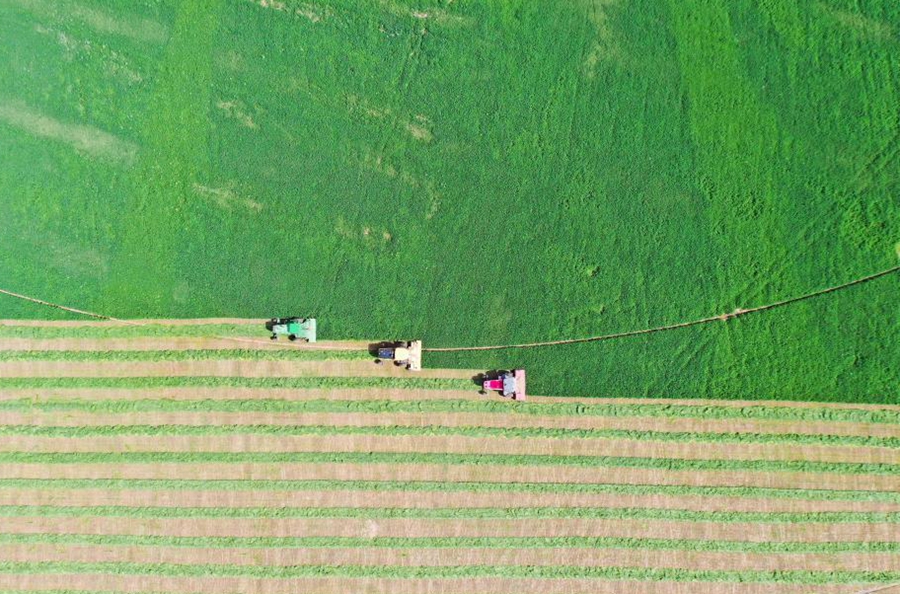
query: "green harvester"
294, 328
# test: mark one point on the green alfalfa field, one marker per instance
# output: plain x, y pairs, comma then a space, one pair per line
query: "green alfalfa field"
472, 172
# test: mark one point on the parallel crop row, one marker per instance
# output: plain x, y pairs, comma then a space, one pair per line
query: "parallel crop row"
430, 406
444, 459
451, 543
401, 430
425, 487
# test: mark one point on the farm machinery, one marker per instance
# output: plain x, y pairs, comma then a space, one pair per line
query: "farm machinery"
403, 353
294, 328
510, 384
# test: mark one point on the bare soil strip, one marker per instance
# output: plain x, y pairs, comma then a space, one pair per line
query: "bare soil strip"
219, 368
454, 444
424, 500
178, 343
384, 557
454, 473
143, 584
142, 322
390, 419
449, 528
231, 393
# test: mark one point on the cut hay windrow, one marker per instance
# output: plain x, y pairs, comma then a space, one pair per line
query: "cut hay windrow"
844, 499
298, 571
371, 471
815, 532
233, 354
262, 367
97, 511
98, 495
878, 444
582, 557
448, 459
366, 418
13, 347
881, 416
441, 543
401, 382
44, 331
452, 444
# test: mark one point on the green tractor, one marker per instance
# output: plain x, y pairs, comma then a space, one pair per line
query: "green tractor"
294, 328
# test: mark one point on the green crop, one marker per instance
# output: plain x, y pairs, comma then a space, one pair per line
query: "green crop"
585, 167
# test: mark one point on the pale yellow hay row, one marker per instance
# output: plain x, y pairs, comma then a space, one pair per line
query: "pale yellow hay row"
425, 500
429, 557
455, 473
812, 532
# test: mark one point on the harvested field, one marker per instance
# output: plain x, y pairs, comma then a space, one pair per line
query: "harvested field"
174, 462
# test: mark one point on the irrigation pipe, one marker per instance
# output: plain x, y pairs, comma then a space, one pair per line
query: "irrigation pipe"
531, 345
719, 318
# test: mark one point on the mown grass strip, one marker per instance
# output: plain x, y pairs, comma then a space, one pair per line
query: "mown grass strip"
399, 430
509, 571
426, 487
654, 544
375, 405
298, 354
131, 331
444, 459
127, 383
481, 513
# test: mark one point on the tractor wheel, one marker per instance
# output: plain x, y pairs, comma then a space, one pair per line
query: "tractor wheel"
273, 337
482, 392
379, 362
398, 363
292, 337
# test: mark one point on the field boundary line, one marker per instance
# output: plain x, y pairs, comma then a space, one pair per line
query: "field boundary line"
717, 318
